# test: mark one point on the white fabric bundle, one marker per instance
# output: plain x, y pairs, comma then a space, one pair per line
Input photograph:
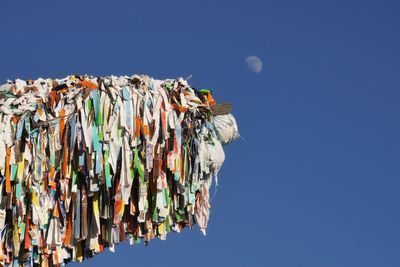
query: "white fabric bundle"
226, 127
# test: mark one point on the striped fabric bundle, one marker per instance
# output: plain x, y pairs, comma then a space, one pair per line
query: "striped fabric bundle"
86, 163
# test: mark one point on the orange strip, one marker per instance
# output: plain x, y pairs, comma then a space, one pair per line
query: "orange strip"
68, 232
53, 95
52, 172
14, 119
164, 120
56, 213
53, 185
174, 169
56, 258
210, 99
137, 126
146, 130
52, 175
8, 170
1, 251
27, 243
88, 84
62, 123
179, 108
65, 161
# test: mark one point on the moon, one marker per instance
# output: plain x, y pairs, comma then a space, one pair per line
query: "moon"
254, 63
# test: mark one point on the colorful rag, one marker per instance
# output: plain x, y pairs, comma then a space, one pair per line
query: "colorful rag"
86, 163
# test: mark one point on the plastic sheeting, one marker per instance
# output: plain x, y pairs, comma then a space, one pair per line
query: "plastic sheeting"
89, 162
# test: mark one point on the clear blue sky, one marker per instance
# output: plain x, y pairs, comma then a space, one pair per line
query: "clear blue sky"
317, 181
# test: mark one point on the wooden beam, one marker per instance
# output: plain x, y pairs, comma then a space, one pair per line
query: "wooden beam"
221, 109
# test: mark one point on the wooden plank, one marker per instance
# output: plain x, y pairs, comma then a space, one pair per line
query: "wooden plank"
220, 109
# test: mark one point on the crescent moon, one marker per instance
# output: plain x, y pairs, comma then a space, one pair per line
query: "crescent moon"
254, 63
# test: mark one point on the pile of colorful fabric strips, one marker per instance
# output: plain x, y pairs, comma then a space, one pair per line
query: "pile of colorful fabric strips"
87, 162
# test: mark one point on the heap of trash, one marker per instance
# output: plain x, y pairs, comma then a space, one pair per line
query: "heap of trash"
88, 162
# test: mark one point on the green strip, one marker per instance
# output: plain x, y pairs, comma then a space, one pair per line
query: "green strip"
14, 168
107, 169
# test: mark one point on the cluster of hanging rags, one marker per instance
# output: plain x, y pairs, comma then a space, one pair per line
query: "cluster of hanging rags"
87, 162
